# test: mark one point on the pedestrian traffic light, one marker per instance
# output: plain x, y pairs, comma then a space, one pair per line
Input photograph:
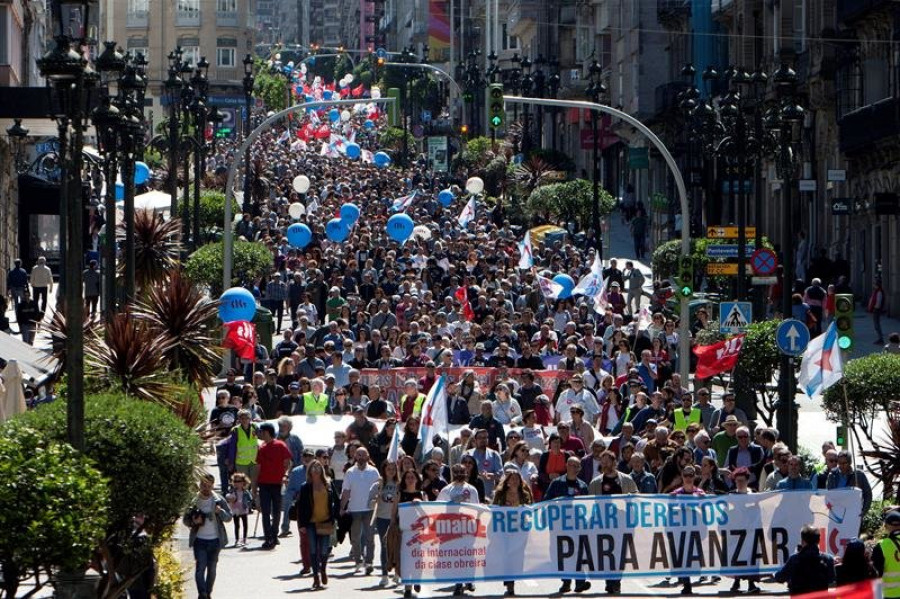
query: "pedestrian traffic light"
841, 436
685, 277
843, 317
394, 107
496, 114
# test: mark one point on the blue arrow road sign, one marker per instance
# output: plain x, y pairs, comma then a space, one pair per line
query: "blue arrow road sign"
792, 337
727, 250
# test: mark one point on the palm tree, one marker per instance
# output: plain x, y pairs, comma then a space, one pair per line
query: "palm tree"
184, 320
157, 247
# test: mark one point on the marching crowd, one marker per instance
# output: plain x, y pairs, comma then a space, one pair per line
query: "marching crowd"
453, 300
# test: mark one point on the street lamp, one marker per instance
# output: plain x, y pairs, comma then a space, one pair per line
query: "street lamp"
200, 114
595, 90
553, 84
173, 86
248, 106
527, 87
70, 79
17, 134
132, 87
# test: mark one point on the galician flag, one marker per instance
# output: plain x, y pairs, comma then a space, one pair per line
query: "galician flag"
550, 289
404, 202
597, 264
600, 300
468, 213
434, 415
526, 260
394, 450
822, 365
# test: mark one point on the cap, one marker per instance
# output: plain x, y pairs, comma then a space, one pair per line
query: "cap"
294, 386
329, 376
731, 420
479, 346
271, 372
308, 453
577, 408
359, 410
892, 517
321, 453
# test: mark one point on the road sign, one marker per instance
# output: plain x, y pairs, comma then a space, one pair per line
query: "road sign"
728, 232
837, 175
763, 280
842, 206
381, 53
808, 185
792, 337
721, 268
763, 262
727, 250
734, 317
638, 158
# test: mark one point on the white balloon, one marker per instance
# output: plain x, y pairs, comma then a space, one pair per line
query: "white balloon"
303, 68
270, 113
301, 183
475, 185
375, 93
349, 78
345, 115
422, 232
296, 210
278, 56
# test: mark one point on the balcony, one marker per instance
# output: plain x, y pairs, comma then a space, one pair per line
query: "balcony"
522, 16
852, 10
667, 97
669, 11
187, 18
226, 18
870, 124
137, 18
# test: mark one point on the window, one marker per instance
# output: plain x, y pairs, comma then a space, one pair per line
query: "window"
189, 5
510, 42
191, 54
225, 57
226, 5
799, 25
138, 5
135, 50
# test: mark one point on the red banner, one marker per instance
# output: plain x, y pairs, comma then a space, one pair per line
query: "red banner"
462, 294
867, 589
240, 336
719, 357
391, 380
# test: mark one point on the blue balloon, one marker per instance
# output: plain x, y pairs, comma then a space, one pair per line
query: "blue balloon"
337, 230
445, 197
299, 235
349, 213
327, 94
141, 173
334, 115
382, 159
369, 124
120, 191
353, 151
400, 227
237, 304
309, 98
568, 284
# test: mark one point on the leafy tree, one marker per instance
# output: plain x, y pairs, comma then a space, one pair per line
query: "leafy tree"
251, 261
271, 87
342, 66
212, 213
756, 366
557, 159
665, 256
392, 138
568, 201
147, 455
53, 506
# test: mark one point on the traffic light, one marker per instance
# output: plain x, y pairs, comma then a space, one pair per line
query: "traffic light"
843, 317
495, 108
380, 61
394, 107
685, 277
841, 436
464, 130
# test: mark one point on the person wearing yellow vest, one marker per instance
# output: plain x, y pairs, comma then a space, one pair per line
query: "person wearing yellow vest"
315, 402
886, 556
244, 446
685, 415
412, 400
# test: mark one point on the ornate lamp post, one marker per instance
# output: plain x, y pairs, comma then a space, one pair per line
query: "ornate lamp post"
595, 91
70, 79
173, 87
527, 87
17, 134
249, 81
132, 86
200, 113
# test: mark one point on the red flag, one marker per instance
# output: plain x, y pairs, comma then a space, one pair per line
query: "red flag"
240, 336
718, 357
462, 294
867, 589
358, 91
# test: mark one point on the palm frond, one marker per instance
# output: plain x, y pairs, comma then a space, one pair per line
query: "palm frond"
56, 328
157, 247
185, 320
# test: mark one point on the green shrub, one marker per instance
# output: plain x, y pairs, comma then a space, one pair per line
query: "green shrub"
568, 201
251, 261
212, 213
148, 455
872, 383
873, 520
53, 505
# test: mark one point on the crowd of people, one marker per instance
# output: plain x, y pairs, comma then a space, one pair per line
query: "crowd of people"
620, 421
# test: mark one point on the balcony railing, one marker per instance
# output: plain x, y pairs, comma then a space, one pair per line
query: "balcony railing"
865, 126
187, 18
851, 10
137, 18
227, 18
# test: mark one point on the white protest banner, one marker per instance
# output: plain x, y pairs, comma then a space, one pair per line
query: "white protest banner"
619, 536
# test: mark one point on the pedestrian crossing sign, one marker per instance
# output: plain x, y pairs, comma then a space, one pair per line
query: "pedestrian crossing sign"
734, 317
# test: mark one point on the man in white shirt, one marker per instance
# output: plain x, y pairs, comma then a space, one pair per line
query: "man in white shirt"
41, 282
358, 482
576, 394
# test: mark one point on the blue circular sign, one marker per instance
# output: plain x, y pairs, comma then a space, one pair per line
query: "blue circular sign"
792, 337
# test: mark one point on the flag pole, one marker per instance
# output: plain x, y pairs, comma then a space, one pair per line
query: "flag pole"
849, 424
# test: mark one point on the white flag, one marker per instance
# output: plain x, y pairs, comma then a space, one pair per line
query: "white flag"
590, 285
600, 301
394, 450
468, 213
644, 319
549, 288
526, 260
822, 364
435, 421
597, 265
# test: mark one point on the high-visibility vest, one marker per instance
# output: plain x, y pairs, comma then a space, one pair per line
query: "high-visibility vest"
681, 424
247, 447
417, 405
313, 404
890, 582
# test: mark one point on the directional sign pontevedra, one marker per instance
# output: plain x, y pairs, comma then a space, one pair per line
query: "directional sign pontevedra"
727, 250
792, 337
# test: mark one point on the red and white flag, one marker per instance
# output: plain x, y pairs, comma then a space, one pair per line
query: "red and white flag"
867, 589
240, 336
462, 294
719, 357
